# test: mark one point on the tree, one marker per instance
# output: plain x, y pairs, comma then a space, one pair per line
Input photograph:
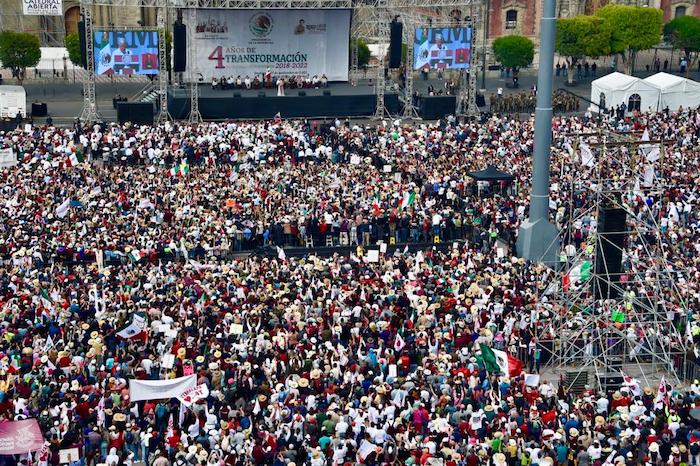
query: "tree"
363, 52
513, 51
582, 36
73, 47
633, 29
168, 50
19, 50
684, 34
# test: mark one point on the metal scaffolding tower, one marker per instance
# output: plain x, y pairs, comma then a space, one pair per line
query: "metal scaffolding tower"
195, 116
607, 323
163, 114
409, 110
89, 112
466, 97
383, 12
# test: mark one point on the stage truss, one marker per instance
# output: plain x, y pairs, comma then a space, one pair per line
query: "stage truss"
90, 112
639, 327
371, 20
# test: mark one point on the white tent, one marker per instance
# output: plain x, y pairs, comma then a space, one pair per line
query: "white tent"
676, 91
617, 88
13, 100
52, 59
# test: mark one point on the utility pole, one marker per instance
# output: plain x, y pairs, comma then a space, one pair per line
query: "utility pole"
538, 238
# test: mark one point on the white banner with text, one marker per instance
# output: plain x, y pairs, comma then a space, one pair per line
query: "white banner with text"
284, 42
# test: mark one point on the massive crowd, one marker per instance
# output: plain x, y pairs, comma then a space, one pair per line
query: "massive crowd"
311, 360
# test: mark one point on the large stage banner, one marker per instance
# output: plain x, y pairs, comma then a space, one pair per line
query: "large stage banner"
42, 7
20, 437
285, 42
442, 48
126, 52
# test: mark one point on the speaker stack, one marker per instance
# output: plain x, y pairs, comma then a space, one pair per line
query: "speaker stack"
179, 47
83, 47
612, 232
395, 44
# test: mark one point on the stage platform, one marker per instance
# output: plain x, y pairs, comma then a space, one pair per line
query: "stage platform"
336, 100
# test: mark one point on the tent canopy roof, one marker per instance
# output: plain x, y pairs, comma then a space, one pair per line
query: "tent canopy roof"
491, 173
615, 81
11, 88
665, 81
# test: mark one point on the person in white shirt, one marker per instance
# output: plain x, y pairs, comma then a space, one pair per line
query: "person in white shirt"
280, 87
595, 451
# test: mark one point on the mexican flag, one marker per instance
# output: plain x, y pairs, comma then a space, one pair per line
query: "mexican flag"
581, 272
45, 299
180, 170
104, 59
421, 49
500, 361
375, 206
74, 159
135, 255
408, 200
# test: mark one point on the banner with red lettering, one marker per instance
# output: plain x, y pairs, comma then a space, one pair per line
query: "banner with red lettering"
193, 395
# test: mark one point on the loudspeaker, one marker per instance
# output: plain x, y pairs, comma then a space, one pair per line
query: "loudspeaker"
326, 92
83, 47
179, 47
302, 93
611, 383
261, 94
608, 257
480, 100
135, 112
395, 44
39, 110
236, 94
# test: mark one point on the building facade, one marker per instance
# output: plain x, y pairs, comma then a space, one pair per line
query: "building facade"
52, 29
523, 16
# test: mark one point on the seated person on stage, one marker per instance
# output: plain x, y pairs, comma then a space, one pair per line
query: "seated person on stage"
230, 82
307, 82
324, 80
256, 83
248, 82
291, 82
300, 82
268, 78
315, 81
239, 82
214, 83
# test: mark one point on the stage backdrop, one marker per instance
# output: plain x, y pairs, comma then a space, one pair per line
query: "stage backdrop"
126, 52
442, 48
287, 42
